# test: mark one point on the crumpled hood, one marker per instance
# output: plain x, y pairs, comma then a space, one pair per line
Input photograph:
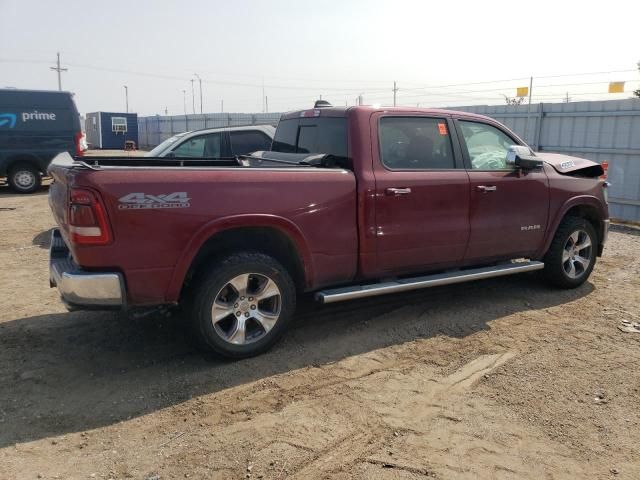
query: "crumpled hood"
566, 164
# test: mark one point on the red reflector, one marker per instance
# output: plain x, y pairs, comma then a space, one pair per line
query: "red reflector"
605, 167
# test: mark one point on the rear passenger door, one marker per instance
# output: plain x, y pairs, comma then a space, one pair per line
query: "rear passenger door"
422, 193
509, 206
248, 141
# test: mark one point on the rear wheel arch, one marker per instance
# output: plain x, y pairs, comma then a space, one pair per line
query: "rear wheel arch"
267, 240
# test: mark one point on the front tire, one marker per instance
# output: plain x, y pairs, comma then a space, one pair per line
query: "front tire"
24, 178
572, 254
243, 305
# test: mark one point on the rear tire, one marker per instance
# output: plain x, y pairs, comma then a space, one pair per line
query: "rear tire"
24, 178
242, 305
572, 254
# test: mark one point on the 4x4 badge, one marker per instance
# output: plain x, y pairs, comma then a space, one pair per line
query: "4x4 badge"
140, 200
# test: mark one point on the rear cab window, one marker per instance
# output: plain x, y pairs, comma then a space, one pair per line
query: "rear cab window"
326, 135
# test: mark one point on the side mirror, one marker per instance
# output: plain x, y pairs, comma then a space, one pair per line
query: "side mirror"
522, 157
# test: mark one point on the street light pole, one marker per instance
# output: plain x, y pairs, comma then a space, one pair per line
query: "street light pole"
126, 98
193, 97
184, 100
200, 81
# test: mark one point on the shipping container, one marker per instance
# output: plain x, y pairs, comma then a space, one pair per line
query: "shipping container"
109, 130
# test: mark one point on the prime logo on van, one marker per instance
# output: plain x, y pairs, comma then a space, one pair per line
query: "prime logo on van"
7, 120
36, 115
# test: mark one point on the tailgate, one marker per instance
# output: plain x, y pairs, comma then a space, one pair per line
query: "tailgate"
59, 192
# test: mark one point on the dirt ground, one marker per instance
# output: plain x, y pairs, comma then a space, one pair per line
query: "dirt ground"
499, 379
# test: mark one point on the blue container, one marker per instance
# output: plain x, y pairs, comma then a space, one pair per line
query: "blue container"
108, 130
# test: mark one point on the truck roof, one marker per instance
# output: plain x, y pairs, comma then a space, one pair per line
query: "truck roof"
344, 111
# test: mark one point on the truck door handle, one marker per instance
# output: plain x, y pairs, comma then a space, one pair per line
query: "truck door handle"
397, 191
486, 188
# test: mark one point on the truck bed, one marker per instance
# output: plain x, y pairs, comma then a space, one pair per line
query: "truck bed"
161, 213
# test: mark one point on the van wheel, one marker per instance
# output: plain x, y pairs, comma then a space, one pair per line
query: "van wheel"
572, 254
243, 305
24, 178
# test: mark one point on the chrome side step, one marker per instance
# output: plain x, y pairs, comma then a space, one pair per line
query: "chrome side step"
425, 281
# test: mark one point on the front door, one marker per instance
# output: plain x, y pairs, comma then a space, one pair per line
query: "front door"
508, 206
422, 194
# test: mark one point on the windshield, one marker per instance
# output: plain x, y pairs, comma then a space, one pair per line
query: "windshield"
312, 135
160, 149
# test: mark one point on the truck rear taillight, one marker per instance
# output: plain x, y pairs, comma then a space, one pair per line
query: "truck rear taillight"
79, 140
87, 218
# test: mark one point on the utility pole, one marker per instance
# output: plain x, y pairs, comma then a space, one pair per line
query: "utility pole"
221, 106
59, 69
184, 100
395, 90
566, 100
200, 80
266, 104
530, 89
193, 97
126, 98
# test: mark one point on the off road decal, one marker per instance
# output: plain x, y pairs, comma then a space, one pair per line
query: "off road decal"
136, 201
569, 164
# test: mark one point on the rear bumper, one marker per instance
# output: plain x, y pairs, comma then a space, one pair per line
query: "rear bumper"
79, 289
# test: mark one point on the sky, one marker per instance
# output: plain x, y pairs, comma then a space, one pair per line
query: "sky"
440, 53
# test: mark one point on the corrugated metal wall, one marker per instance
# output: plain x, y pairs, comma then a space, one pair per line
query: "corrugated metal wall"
606, 130
154, 130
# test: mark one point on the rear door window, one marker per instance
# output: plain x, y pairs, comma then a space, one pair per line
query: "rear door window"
248, 141
415, 143
207, 146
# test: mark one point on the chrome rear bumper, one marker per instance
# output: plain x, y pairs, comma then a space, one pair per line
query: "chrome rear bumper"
78, 288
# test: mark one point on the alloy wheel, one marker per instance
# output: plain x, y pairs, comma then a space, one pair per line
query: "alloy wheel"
577, 254
246, 308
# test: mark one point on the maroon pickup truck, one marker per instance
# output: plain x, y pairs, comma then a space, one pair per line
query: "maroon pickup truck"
349, 203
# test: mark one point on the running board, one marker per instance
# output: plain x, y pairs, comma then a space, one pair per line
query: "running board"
425, 281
